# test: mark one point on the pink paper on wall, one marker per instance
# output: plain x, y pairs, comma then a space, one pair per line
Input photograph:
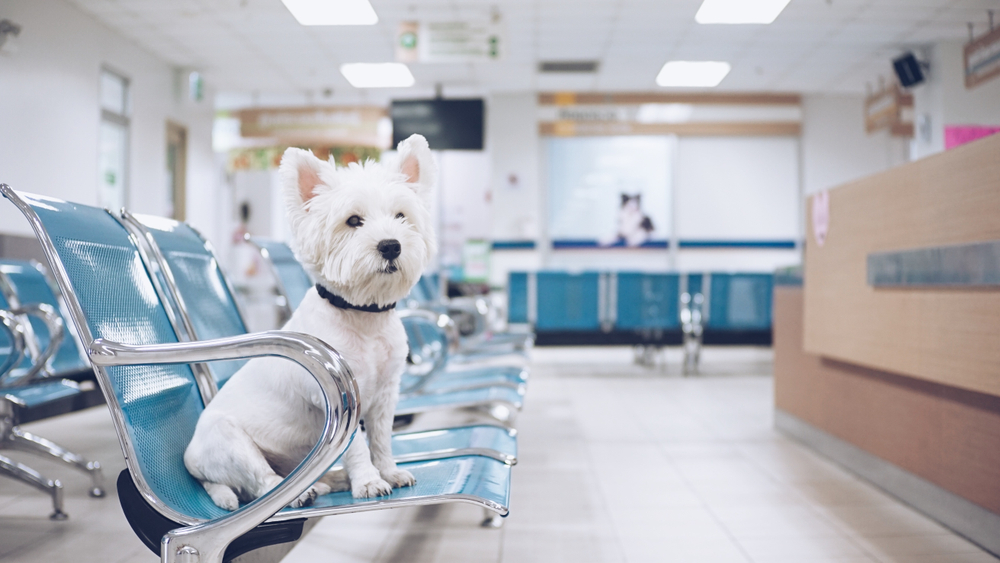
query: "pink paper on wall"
956, 135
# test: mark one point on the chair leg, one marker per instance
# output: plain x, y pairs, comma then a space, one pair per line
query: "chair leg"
491, 519
35, 479
27, 442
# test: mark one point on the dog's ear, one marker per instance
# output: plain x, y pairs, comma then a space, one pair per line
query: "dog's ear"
299, 172
624, 199
417, 164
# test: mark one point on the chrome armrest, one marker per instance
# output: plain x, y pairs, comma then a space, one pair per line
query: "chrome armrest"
207, 542
54, 323
444, 322
12, 324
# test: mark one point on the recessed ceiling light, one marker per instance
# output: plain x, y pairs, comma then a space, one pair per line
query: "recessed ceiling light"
739, 11
332, 12
377, 75
692, 74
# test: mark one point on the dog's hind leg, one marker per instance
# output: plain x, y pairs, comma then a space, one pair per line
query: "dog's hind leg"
222, 495
222, 456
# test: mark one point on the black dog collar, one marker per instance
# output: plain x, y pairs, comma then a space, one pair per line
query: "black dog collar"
341, 303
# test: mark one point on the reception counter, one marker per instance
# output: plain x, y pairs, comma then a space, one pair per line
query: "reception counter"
887, 357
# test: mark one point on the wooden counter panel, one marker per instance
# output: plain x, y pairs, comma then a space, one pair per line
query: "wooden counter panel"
951, 336
946, 435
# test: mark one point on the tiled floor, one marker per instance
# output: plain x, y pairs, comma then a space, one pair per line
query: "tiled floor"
618, 463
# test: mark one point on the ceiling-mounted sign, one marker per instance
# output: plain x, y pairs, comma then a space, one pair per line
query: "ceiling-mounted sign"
448, 42
982, 59
358, 125
890, 108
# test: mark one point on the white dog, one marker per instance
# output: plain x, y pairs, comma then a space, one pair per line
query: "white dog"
366, 231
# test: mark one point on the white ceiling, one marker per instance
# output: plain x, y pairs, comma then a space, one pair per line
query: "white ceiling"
256, 46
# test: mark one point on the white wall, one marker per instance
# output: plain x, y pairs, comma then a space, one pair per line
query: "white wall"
943, 99
50, 115
736, 188
835, 147
513, 143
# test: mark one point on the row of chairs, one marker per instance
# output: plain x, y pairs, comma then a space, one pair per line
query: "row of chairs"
647, 310
164, 332
45, 373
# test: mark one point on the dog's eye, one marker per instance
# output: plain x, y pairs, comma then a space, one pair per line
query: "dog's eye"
354, 221
400, 216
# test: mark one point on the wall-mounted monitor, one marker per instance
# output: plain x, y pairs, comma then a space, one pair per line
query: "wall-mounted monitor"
447, 124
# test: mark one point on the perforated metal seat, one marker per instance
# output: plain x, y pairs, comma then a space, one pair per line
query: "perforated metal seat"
155, 401
292, 279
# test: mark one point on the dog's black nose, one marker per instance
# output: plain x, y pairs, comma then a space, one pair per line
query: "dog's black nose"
390, 248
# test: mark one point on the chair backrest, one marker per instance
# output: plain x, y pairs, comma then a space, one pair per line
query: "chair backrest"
739, 301
428, 348
517, 297
648, 301
30, 283
293, 280
110, 295
201, 291
568, 301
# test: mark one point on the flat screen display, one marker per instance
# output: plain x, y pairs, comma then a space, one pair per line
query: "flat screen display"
447, 124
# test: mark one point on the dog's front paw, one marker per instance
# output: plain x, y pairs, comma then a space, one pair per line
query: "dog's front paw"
399, 477
373, 488
310, 494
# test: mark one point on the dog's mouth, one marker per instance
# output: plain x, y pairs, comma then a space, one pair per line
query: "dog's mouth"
391, 268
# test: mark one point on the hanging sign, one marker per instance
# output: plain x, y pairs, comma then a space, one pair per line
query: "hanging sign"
346, 125
448, 42
982, 59
890, 108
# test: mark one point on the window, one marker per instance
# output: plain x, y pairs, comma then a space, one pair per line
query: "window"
112, 164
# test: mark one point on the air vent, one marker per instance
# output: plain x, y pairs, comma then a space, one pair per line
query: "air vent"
567, 66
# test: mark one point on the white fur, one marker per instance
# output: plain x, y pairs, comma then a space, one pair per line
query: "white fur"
268, 416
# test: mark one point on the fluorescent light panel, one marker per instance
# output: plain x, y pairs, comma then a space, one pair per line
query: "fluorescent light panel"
332, 12
739, 11
692, 74
377, 75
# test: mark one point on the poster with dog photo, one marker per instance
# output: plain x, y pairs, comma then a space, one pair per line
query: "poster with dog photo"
609, 191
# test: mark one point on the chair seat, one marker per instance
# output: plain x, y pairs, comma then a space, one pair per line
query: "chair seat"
410, 404
475, 479
37, 394
455, 378
487, 440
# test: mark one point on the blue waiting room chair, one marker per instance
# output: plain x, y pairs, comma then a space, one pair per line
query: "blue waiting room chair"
187, 275
33, 386
144, 371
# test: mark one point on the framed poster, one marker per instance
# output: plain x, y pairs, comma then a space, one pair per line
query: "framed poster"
609, 191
